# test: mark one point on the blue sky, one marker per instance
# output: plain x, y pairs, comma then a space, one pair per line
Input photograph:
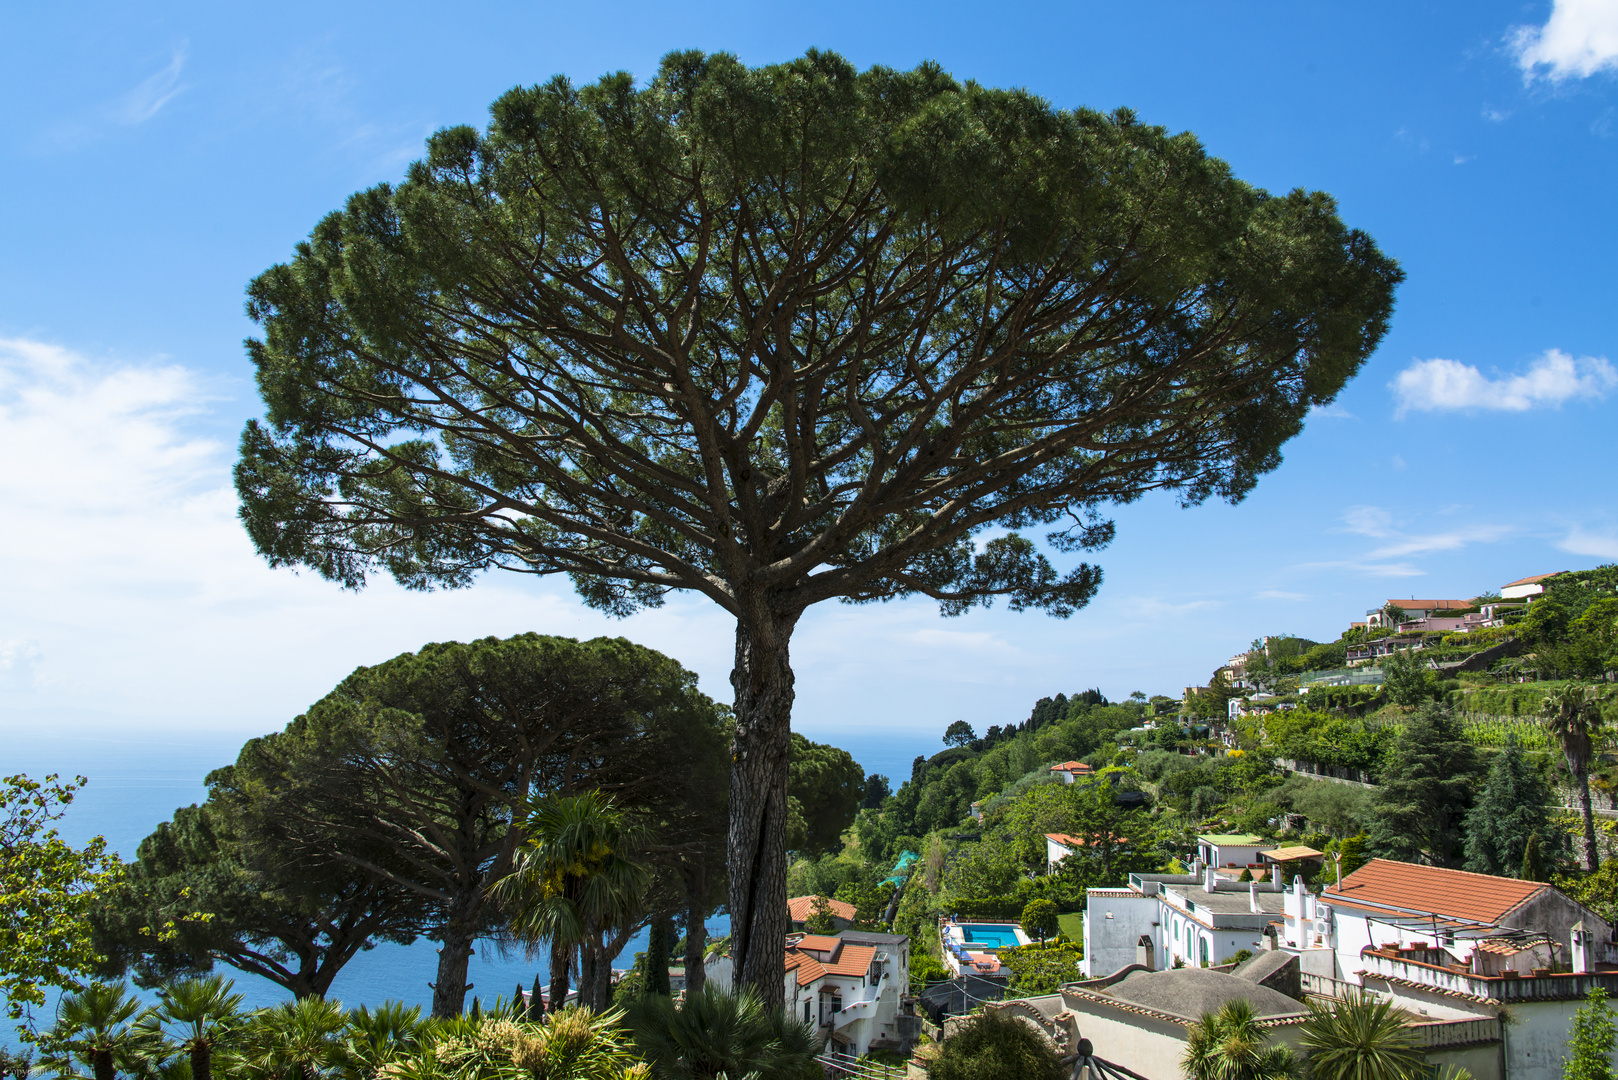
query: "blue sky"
157, 156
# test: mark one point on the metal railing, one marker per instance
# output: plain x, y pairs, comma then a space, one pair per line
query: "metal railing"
847, 1065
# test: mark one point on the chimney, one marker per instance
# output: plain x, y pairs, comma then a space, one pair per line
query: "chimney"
1252, 897
1145, 952
1582, 940
1196, 866
1209, 882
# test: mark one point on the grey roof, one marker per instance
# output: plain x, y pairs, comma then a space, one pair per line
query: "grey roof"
1233, 899
1190, 992
1262, 966
866, 937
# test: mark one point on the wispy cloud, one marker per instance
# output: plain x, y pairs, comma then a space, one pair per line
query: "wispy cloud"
1495, 116
19, 662
1446, 541
149, 96
1580, 541
1391, 558
1333, 411
1579, 40
1440, 385
1368, 521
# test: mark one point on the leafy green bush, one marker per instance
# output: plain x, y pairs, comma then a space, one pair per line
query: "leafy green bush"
714, 1033
1043, 969
996, 1046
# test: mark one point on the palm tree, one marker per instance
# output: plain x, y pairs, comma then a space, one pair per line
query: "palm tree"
1572, 715
1359, 1037
206, 1011
715, 1034
373, 1039
296, 1041
105, 1027
571, 884
1231, 1044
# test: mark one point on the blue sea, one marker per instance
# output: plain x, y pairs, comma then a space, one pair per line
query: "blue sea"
137, 779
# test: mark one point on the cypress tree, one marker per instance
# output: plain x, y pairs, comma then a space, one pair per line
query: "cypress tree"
1427, 786
1511, 813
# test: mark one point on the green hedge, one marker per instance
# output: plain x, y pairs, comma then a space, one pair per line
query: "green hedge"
985, 907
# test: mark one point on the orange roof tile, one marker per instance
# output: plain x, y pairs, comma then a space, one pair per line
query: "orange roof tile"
852, 960
1431, 890
819, 943
1071, 766
1066, 840
798, 909
1533, 578
847, 960
807, 967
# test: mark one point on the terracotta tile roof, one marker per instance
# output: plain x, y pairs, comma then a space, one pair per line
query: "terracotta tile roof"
852, 960
807, 967
798, 909
1071, 766
819, 943
1065, 840
1532, 579
1505, 946
847, 960
1431, 890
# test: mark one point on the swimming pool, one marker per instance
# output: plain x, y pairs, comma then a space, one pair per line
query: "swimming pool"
990, 935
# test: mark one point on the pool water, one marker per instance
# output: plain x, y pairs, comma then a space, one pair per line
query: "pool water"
990, 935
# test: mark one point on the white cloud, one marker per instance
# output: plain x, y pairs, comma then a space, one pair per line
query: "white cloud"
153, 92
1579, 40
1580, 541
1330, 412
1368, 521
19, 663
1495, 116
1553, 378
1448, 541
1462, 159
138, 592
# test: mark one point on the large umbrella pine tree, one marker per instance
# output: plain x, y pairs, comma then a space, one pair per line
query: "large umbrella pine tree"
784, 335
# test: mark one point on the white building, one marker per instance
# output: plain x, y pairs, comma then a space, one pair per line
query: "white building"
1524, 588
1448, 945
1232, 850
849, 987
1197, 920
1059, 846
1071, 772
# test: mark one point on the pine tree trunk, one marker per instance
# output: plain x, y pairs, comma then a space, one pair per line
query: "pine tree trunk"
561, 957
201, 1060
756, 855
696, 942
454, 955
1583, 780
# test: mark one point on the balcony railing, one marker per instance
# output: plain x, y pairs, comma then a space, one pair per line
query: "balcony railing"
1430, 1034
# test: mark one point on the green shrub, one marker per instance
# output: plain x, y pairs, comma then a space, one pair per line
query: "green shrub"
996, 1046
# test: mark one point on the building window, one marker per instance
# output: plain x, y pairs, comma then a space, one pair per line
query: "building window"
806, 1010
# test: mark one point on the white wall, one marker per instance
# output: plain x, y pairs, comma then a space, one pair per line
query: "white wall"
1109, 942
